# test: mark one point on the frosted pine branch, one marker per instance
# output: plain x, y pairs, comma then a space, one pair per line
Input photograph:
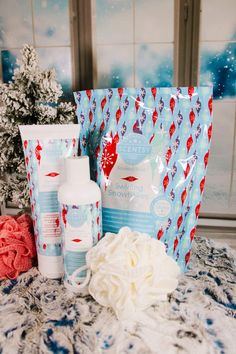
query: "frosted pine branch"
31, 98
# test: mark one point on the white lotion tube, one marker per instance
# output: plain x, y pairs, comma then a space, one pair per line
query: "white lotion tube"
45, 148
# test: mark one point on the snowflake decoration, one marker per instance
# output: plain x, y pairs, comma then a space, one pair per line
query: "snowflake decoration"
107, 159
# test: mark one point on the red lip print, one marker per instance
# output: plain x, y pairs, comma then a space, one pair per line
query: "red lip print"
130, 178
76, 240
52, 174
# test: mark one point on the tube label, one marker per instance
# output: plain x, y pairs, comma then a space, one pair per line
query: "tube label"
44, 164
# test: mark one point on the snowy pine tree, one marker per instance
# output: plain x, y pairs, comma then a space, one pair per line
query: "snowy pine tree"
31, 98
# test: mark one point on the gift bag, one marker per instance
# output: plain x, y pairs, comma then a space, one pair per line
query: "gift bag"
149, 150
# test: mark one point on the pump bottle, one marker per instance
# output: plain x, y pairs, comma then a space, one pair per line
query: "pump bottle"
80, 216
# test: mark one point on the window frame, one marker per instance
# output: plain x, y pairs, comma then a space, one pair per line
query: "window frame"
83, 72
187, 32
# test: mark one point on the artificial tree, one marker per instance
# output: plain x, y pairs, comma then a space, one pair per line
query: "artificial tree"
32, 97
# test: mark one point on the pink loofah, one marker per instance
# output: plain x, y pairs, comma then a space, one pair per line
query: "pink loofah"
17, 248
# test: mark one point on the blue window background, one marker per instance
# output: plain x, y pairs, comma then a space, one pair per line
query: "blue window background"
217, 66
130, 50
45, 24
133, 42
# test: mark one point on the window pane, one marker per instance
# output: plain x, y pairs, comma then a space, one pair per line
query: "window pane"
218, 182
15, 23
45, 21
134, 42
8, 63
115, 65
154, 65
218, 20
51, 22
58, 58
232, 201
218, 67
154, 21
114, 21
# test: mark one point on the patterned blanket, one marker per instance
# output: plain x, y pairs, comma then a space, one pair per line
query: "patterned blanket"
39, 316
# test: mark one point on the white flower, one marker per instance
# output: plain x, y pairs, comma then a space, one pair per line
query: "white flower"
130, 272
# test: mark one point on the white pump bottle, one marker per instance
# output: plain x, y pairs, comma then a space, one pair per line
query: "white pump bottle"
80, 216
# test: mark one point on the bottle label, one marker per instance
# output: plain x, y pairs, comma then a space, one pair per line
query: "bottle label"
81, 229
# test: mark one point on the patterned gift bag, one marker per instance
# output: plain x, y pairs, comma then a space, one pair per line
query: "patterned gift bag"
149, 150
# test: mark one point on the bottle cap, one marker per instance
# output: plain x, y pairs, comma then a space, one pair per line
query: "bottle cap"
51, 266
77, 170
